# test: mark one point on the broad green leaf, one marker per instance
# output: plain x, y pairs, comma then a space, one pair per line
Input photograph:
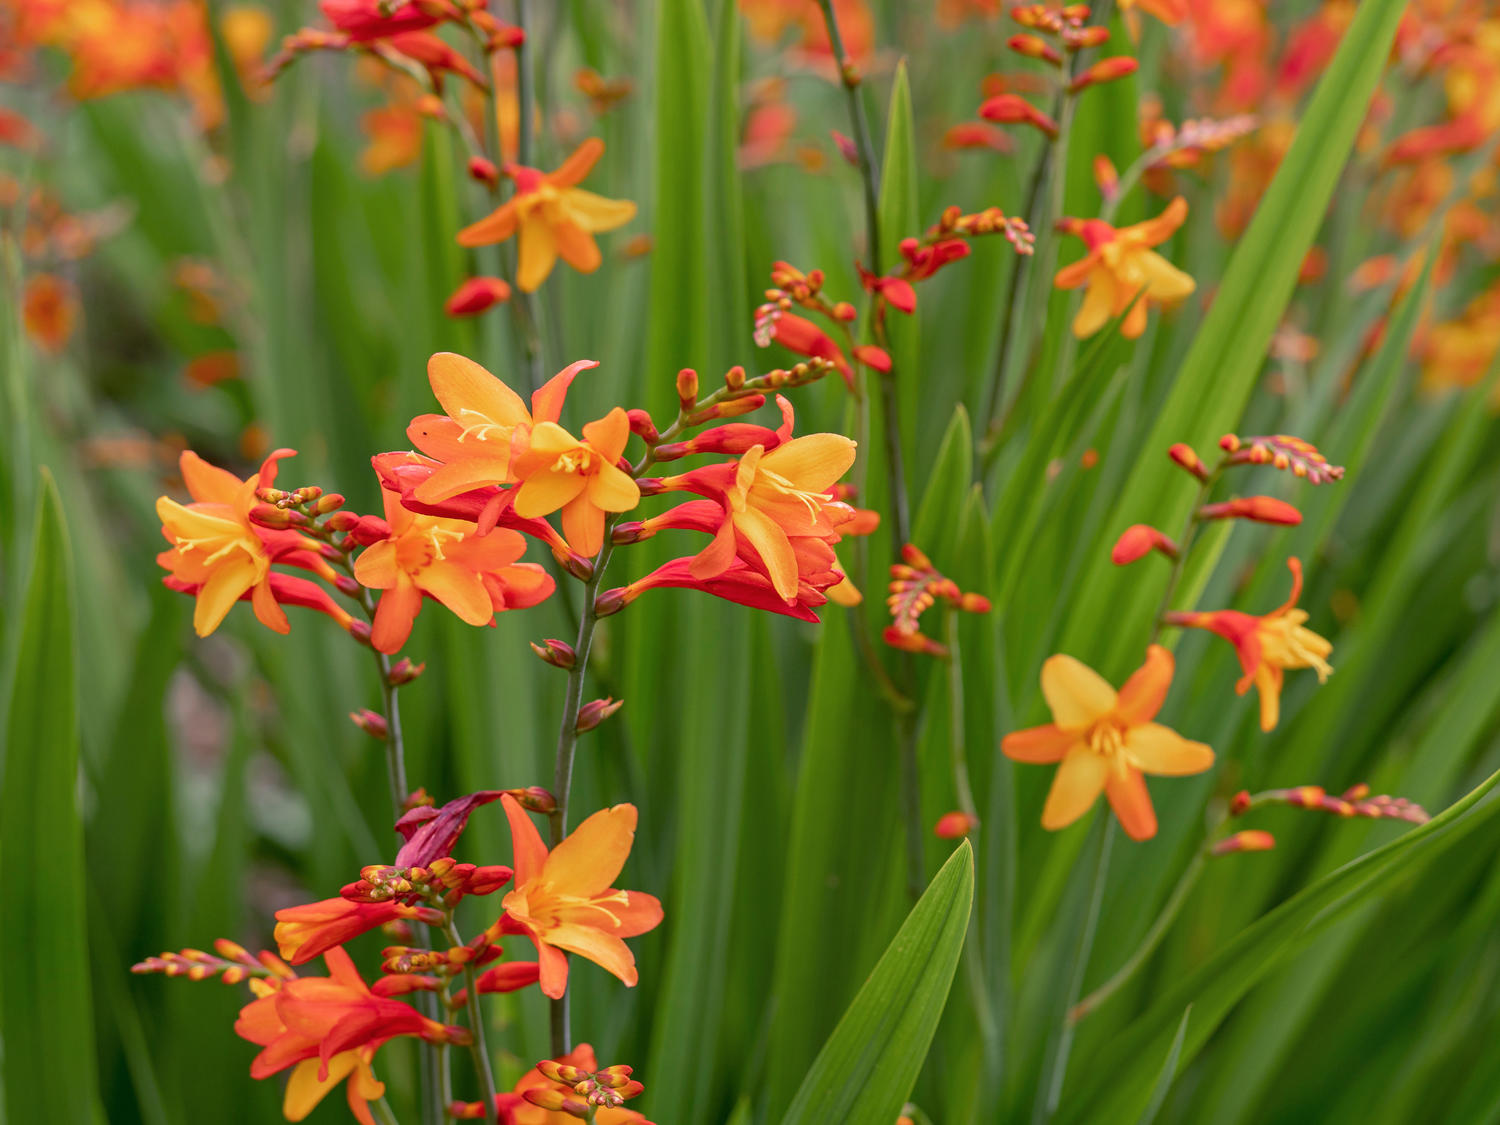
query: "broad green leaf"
46, 1006
867, 1068
935, 528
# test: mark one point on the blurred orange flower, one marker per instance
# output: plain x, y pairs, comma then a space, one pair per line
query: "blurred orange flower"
552, 216
49, 310
1121, 266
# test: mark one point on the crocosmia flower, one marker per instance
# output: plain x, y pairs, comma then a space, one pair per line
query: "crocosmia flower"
1119, 266
328, 1029
582, 478
215, 548
475, 576
1105, 741
1267, 645
523, 1112
552, 216
563, 899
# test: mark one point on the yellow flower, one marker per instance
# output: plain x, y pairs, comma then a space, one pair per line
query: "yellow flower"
1119, 266
553, 217
556, 470
1105, 742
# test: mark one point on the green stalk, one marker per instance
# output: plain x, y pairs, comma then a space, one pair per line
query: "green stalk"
477, 1047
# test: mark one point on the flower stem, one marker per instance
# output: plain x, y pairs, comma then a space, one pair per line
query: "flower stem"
381, 1110
1184, 544
1154, 935
477, 1047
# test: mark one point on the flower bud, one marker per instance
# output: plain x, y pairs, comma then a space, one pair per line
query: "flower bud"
974, 603
535, 798
576, 565
1185, 456
484, 171
1107, 177
595, 711
1138, 541
1105, 70
1034, 47
1081, 38
731, 409
557, 653
1250, 840
371, 722
476, 295
1012, 109
342, 521
1261, 509
687, 388
954, 825
360, 631
562, 1072
734, 378
632, 531
871, 356
611, 601
275, 518
404, 672
641, 424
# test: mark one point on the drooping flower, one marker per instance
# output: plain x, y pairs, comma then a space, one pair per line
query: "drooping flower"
215, 548
303, 932
1120, 266
1267, 645
1104, 742
582, 478
553, 216
328, 1029
475, 576
563, 899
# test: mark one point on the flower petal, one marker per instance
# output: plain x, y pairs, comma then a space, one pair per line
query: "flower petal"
208, 483
528, 851
587, 862
546, 492
1098, 305
813, 463
1153, 748
1039, 745
578, 165
1079, 781
596, 214
497, 226
577, 246
458, 588
469, 393
1077, 694
1131, 801
603, 949
1142, 695
538, 254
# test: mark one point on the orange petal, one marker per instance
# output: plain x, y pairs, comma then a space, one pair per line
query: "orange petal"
1079, 781
583, 525
603, 949
1077, 694
1153, 748
577, 246
1038, 745
208, 483
528, 851
497, 226
1132, 803
458, 588
1142, 695
547, 402
587, 862
573, 170
609, 434
470, 394
639, 913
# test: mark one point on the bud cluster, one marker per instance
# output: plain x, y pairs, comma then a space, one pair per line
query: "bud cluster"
1281, 451
916, 585
586, 1091
231, 963
440, 884
1353, 802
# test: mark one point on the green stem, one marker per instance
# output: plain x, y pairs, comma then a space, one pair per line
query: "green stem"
1148, 945
381, 1110
1050, 1093
1184, 544
477, 1047
863, 146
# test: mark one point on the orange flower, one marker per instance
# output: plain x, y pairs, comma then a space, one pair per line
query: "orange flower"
215, 548
303, 932
582, 478
553, 216
1106, 741
1119, 266
49, 310
474, 576
1267, 645
563, 899
473, 440
768, 498
328, 1029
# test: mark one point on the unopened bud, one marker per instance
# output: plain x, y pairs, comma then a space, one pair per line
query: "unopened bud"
331, 502
974, 603
562, 1072
275, 518
687, 388
1261, 509
371, 722
360, 631
734, 378
559, 654
404, 672
731, 409
1081, 38
1034, 47
954, 825
1105, 70
1250, 840
1012, 109
641, 425
347, 585
1138, 541
576, 565
1229, 443
595, 711
342, 521
1239, 805
611, 601
484, 171
535, 798
844, 311
1185, 456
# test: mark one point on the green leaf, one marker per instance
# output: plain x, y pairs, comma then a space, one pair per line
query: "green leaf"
937, 517
1168, 1072
870, 1063
46, 1006
1122, 1077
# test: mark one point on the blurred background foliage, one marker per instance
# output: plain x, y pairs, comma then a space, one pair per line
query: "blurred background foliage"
266, 281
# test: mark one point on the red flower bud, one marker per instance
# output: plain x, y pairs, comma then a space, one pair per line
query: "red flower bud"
1105, 70
371, 723
1034, 47
1261, 509
1188, 459
559, 654
404, 672
954, 825
1012, 109
871, 356
1250, 840
484, 171
476, 295
595, 711
1138, 541
687, 388
1240, 804
641, 425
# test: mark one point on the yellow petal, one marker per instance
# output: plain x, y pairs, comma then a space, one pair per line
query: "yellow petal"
1098, 304
471, 395
774, 548
1153, 748
228, 582
208, 483
1079, 781
613, 490
1077, 694
596, 214
304, 1091
813, 463
458, 588
538, 254
1164, 281
546, 492
609, 434
375, 569
603, 949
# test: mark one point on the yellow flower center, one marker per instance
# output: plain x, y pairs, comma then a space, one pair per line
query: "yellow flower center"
484, 429
543, 906
1106, 738
1284, 643
579, 459
428, 545
778, 484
